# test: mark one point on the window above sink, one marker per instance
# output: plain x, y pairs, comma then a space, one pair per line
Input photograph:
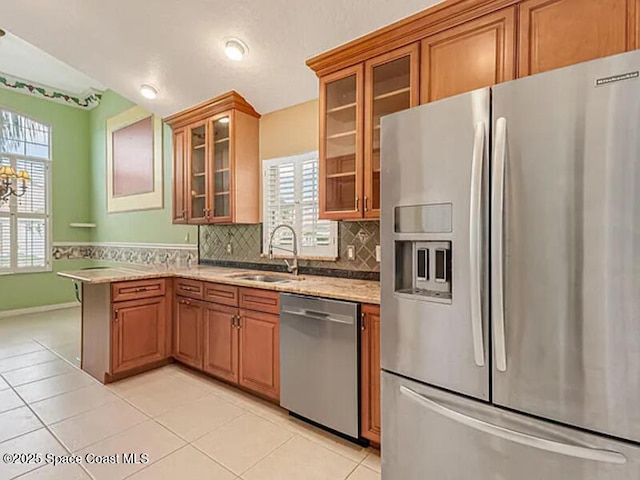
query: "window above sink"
290, 197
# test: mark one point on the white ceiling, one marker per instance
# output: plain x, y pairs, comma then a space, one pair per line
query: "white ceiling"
177, 45
21, 59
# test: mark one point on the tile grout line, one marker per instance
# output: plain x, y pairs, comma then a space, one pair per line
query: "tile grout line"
313, 440
271, 452
46, 427
241, 405
28, 405
76, 370
38, 365
24, 353
187, 443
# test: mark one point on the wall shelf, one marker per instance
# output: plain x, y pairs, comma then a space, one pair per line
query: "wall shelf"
82, 225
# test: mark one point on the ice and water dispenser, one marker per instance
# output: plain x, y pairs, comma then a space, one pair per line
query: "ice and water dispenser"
424, 252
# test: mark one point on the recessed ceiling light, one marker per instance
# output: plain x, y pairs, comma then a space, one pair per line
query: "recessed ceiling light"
224, 120
235, 49
148, 91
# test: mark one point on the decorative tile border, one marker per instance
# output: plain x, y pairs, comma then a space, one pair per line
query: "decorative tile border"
140, 253
87, 100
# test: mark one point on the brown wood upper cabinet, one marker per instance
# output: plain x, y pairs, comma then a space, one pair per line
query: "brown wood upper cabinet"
216, 152
464, 45
476, 54
352, 101
557, 33
179, 176
341, 161
391, 85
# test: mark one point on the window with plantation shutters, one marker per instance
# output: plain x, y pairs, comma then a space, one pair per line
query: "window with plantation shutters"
290, 196
25, 230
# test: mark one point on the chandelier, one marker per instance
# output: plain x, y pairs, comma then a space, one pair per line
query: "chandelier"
12, 183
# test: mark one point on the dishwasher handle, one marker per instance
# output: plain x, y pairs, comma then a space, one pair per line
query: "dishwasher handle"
322, 316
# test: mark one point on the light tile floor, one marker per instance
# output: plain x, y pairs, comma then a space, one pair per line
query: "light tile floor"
189, 425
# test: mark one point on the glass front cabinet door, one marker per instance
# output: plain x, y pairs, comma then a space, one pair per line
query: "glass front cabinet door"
198, 173
391, 85
341, 162
352, 101
216, 162
220, 128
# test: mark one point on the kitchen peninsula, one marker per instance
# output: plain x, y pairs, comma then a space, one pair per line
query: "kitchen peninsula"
221, 321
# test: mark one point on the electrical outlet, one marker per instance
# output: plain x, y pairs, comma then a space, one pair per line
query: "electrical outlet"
351, 252
229, 248
378, 253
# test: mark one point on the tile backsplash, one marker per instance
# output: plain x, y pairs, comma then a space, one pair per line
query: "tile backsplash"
246, 246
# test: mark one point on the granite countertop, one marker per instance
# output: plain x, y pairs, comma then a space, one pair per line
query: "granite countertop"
364, 291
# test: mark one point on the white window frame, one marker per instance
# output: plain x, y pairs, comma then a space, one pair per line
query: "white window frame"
14, 215
328, 253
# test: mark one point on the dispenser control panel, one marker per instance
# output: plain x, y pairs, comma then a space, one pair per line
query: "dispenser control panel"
424, 252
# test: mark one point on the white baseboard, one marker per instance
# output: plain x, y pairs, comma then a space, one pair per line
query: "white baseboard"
43, 308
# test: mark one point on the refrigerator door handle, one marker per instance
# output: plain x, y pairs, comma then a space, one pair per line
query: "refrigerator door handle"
497, 253
577, 451
475, 243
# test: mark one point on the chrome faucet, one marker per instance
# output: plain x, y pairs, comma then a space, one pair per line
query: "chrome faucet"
291, 267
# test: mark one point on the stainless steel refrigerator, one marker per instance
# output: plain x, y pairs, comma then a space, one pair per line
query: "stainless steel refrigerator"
511, 280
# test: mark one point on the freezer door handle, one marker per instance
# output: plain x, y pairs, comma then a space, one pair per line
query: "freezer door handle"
497, 252
475, 243
567, 449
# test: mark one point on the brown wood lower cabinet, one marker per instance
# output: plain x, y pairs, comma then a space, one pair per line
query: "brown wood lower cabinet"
260, 352
221, 342
238, 345
138, 333
187, 342
370, 374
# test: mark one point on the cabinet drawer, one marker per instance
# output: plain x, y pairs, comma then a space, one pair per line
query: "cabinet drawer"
137, 289
189, 288
260, 300
222, 294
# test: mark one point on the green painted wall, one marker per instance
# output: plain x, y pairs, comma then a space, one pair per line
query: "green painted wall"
152, 226
79, 195
71, 198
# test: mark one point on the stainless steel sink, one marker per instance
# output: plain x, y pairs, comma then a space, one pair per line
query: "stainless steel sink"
264, 278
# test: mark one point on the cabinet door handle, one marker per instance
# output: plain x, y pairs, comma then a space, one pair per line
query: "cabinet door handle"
362, 322
357, 203
365, 203
141, 289
239, 324
116, 317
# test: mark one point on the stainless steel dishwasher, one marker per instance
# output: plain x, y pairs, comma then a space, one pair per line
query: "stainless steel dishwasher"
319, 361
